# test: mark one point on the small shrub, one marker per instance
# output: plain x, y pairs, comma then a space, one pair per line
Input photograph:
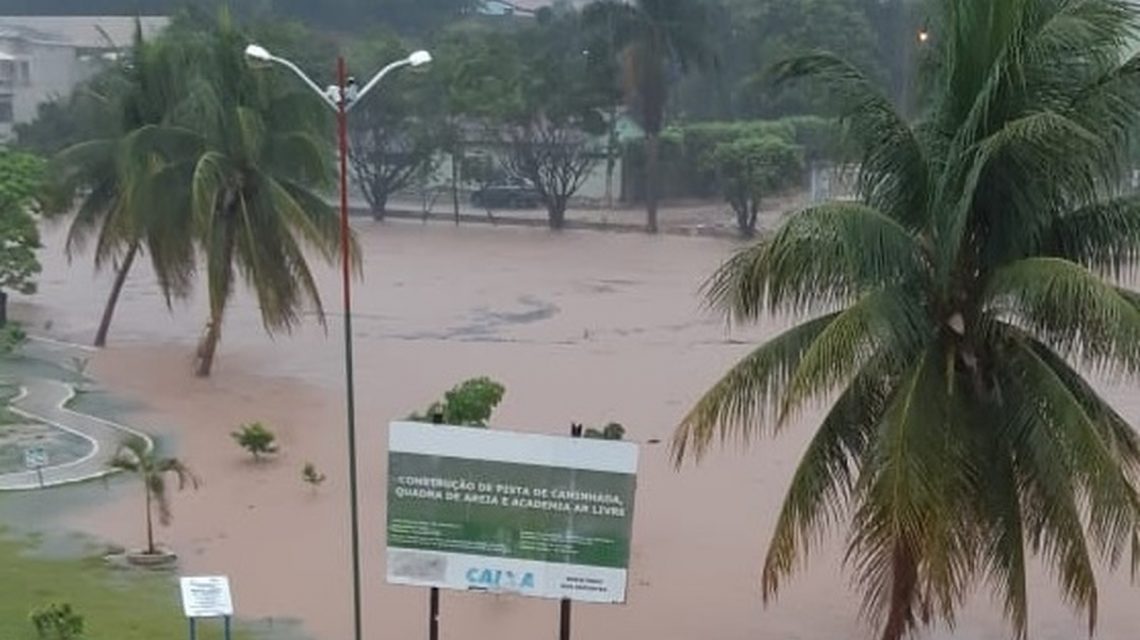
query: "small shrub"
612, 431
468, 404
56, 622
12, 337
311, 476
256, 439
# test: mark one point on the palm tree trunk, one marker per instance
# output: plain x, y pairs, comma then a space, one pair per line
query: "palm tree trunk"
208, 347
209, 344
149, 522
651, 180
3, 308
900, 617
113, 299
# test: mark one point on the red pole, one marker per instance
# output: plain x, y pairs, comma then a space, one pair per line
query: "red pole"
350, 404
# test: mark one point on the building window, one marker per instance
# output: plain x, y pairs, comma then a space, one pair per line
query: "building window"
24, 76
6, 110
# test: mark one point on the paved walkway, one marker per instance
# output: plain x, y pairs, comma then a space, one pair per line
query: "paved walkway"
43, 401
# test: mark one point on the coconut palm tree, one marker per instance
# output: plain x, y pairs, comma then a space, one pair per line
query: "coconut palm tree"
245, 158
139, 93
135, 456
656, 39
953, 311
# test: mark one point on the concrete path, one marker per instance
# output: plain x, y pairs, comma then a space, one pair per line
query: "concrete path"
44, 401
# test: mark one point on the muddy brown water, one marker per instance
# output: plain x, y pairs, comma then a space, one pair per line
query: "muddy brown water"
583, 327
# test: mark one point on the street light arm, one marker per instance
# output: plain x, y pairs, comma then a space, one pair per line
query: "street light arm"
307, 80
376, 79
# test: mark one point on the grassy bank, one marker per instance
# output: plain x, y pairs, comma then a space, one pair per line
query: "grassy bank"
116, 604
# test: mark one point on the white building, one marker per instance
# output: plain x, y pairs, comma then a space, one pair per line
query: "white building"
44, 58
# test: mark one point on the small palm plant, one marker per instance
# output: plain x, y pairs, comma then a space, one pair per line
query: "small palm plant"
135, 456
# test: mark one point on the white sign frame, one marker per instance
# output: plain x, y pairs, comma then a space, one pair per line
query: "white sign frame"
35, 458
206, 597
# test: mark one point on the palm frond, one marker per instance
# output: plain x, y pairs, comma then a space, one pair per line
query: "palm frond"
1070, 309
820, 257
825, 477
748, 396
894, 175
1104, 236
886, 324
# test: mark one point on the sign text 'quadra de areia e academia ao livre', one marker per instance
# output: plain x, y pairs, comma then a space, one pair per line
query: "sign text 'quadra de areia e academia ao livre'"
490, 510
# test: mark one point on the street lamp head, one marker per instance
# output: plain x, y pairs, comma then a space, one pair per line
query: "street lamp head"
419, 58
258, 53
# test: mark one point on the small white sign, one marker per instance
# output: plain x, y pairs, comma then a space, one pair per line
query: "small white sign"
36, 458
206, 597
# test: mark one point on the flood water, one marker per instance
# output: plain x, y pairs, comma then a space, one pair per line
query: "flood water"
584, 327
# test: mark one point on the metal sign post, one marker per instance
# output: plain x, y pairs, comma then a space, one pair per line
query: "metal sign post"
207, 597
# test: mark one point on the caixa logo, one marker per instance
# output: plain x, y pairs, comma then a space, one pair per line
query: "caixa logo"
480, 578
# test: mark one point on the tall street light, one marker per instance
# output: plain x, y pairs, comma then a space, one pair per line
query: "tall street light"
342, 98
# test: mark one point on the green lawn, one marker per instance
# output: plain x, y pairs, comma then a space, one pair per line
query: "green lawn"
116, 604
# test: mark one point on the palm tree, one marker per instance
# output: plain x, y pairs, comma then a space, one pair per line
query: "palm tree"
656, 38
245, 163
139, 93
954, 309
136, 456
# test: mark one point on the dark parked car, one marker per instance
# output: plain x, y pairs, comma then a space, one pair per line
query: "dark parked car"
512, 195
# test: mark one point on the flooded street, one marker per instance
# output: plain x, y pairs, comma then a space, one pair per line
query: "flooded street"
584, 327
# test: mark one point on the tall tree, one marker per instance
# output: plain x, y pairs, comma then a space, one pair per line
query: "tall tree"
393, 135
555, 110
21, 177
955, 307
659, 39
113, 206
245, 162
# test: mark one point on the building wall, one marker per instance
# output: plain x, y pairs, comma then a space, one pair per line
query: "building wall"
54, 71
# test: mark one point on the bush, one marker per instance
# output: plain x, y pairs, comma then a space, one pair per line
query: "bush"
311, 476
56, 622
684, 172
12, 337
748, 169
469, 404
612, 431
256, 439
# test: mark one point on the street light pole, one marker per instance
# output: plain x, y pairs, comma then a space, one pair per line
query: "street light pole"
342, 102
350, 387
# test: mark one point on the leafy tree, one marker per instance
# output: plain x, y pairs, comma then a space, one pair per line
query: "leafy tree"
749, 168
20, 190
134, 456
557, 105
657, 39
392, 134
256, 439
469, 403
474, 78
953, 308
773, 30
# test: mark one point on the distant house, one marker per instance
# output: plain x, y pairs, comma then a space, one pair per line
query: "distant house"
44, 58
522, 8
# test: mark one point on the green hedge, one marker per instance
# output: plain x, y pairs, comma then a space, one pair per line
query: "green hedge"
683, 147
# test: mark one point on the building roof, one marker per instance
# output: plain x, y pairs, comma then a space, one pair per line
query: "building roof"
83, 32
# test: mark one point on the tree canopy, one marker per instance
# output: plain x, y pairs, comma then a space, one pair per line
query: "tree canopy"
951, 313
